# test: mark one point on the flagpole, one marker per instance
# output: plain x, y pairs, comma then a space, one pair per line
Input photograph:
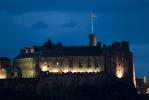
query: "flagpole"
92, 23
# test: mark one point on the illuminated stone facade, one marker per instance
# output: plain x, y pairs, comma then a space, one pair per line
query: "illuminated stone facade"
4, 63
27, 66
3, 74
71, 64
7, 70
116, 60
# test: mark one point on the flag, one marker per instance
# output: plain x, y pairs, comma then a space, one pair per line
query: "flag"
93, 15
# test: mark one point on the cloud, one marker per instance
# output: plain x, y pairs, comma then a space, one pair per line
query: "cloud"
23, 6
39, 25
18, 31
71, 24
131, 27
57, 22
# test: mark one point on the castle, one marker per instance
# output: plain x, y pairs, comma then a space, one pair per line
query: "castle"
115, 60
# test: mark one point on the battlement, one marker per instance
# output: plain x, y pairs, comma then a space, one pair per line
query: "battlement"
124, 45
116, 46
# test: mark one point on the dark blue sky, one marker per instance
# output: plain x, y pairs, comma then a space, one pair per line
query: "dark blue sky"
31, 22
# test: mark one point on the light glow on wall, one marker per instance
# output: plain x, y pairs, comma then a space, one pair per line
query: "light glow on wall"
44, 67
120, 71
55, 71
66, 70
3, 74
72, 70
57, 63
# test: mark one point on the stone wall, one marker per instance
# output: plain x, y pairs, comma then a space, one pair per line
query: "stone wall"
61, 65
27, 66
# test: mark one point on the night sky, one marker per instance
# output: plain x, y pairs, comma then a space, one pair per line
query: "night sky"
31, 22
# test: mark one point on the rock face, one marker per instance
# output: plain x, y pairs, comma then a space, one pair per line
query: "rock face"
91, 86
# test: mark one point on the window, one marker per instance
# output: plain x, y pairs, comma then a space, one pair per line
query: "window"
88, 63
96, 62
80, 62
70, 62
61, 62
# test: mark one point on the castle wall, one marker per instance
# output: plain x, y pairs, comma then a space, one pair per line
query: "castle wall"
27, 66
119, 64
74, 64
71, 64
124, 66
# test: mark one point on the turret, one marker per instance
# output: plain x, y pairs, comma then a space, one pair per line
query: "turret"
92, 40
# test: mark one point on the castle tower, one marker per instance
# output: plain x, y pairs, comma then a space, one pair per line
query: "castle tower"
92, 40
92, 37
